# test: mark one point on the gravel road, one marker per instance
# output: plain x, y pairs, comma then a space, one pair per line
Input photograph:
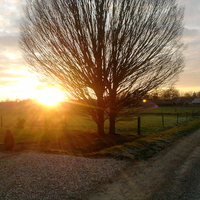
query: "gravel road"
40, 176
171, 175
174, 174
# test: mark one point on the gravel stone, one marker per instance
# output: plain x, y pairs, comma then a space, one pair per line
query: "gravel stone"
34, 175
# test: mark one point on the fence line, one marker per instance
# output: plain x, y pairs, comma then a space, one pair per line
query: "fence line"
140, 126
178, 118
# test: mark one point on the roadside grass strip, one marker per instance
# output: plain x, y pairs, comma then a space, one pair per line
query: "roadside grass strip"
147, 146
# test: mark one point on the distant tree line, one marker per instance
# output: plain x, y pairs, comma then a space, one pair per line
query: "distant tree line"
170, 93
156, 94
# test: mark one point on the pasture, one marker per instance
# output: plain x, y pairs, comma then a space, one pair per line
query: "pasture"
61, 127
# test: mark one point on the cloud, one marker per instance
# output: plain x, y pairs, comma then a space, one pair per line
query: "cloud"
10, 54
6, 82
10, 15
191, 36
190, 32
189, 80
7, 75
11, 62
9, 41
192, 14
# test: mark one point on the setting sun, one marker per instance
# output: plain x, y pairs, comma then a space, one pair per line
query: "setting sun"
50, 96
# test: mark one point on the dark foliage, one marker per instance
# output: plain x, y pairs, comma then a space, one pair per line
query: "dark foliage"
8, 140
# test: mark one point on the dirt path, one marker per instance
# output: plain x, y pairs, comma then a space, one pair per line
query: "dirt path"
169, 175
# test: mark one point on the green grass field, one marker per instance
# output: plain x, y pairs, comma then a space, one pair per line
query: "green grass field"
174, 110
50, 123
149, 123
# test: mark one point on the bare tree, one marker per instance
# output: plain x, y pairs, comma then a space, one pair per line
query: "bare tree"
170, 93
105, 53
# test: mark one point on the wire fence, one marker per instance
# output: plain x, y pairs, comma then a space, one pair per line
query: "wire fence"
64, 122
152, 123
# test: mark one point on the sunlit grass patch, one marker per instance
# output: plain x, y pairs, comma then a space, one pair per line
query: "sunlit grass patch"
65, 131
145, 147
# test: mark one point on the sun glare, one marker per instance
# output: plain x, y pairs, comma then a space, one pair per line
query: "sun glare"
50, 96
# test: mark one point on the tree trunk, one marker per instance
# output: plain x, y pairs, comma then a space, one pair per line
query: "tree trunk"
100, 123
100, 109
112, 114
112, 122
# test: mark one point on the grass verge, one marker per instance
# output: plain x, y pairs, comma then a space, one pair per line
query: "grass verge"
146, 147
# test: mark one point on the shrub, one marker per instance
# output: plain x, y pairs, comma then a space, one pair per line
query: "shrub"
21, 123
8, 140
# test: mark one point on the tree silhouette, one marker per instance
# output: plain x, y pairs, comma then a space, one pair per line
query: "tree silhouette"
170, 93
106, 54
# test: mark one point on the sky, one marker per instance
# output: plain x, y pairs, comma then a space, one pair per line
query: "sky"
17, 82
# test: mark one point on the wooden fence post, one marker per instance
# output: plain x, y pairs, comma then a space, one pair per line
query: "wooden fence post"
139, 124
